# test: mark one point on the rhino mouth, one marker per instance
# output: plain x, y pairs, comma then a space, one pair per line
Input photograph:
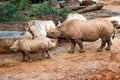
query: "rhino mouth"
49, 36
13, 50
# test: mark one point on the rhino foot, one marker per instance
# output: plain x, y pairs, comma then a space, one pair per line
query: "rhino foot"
24, 60
29, 61
99, 50
82, 51
49, 57
71, 51
107, 49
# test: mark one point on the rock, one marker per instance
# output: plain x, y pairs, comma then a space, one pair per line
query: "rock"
27, 34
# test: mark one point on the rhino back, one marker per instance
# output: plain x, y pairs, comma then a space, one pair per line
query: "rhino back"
32, 45
89, 30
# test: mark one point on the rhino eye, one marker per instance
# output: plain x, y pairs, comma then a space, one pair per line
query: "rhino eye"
53, 32
14, 48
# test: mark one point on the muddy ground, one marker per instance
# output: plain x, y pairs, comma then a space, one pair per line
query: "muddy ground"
90, 65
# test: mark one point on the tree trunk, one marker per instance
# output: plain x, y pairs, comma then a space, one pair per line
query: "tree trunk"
77, 8
91, 8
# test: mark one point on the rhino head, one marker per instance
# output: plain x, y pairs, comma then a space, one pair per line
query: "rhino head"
15, 46
55, 32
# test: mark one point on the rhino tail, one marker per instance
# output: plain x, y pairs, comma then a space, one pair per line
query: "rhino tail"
113, 36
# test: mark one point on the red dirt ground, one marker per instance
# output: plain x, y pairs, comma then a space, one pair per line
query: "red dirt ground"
90, 65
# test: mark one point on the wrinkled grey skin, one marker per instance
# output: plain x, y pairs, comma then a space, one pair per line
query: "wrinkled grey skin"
78, 31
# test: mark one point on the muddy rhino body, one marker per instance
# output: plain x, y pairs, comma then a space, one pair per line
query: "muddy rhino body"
90, 30
26, 46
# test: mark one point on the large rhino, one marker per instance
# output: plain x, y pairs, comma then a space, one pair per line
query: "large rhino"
89, 30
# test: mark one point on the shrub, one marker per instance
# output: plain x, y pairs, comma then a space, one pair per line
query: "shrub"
43, 9
10, 12
7, 11
64, 12
21, 4
23, 10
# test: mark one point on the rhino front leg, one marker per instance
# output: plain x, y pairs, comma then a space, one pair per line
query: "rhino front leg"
109, 43
23, 53
102, 45
28, 56
80, 43
72, 46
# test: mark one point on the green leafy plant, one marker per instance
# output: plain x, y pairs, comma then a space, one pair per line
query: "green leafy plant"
24, 10
44, 9
7, 11
21, 4
10, 12
64, 12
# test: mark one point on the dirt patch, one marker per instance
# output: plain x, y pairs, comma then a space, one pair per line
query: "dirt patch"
90, 65
12, 26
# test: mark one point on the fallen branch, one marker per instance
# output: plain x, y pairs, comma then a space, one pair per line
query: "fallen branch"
91, 8
77, 8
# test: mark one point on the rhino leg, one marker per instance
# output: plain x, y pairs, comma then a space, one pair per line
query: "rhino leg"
48, 56
79, 42
42, 55
28, 56
23, 53
72, 46
109, 43
104, 40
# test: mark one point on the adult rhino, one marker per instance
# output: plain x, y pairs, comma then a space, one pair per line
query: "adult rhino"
84, 30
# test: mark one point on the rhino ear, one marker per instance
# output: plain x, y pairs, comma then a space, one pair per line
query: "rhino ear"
115, 23
118, 27
59, 24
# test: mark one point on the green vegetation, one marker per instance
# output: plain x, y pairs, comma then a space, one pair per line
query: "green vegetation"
13, 11
17, 10
43, 9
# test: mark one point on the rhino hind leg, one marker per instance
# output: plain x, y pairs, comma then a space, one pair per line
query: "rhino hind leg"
45, 54
72, 46
48, 56
42, 55
104, 40
80, 43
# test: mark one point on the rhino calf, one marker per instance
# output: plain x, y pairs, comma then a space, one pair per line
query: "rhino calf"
30, 45
84, 30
